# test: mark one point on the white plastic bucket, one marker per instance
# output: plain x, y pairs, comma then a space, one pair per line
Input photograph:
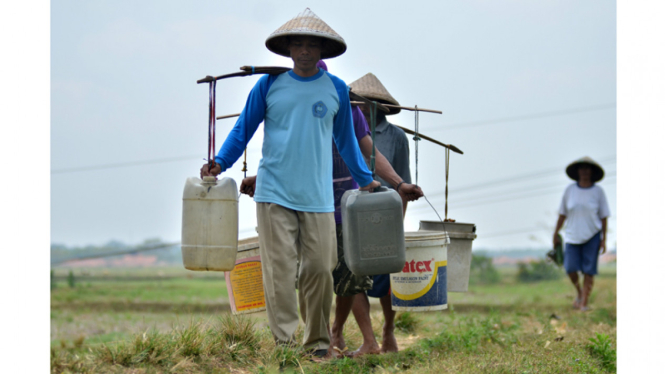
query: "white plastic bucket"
459, 251
421, 285
245, 282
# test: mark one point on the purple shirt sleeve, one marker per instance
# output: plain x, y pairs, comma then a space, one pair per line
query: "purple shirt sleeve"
346, 143
359, 123
342, 180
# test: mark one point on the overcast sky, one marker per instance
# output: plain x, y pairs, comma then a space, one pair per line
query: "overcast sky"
123, 91
525, 87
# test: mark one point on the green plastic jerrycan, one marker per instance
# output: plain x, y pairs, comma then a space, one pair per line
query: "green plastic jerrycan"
373, 231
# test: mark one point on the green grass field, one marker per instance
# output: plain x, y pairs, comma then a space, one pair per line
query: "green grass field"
159, 320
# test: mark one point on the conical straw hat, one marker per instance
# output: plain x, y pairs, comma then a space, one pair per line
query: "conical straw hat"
597, 172
306, 23
370, 87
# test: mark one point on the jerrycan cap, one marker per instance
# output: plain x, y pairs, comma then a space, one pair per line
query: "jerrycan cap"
209, 180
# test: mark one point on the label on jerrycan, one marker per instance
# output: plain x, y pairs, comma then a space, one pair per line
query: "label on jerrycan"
377, 246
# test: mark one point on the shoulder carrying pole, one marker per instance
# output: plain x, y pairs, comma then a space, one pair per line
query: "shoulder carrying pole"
246, 70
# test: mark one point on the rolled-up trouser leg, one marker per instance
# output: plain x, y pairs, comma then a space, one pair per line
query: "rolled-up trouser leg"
318, 254
278, 241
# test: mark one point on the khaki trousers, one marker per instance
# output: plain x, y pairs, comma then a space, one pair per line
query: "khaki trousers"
284, 236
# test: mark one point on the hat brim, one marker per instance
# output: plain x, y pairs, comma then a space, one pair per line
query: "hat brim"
391, 110
279, 44
597, 172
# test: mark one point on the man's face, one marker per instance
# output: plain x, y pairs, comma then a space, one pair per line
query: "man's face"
305, 51
365, 108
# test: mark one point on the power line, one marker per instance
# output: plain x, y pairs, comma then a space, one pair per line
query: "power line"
513, 232
474, 201
132, 163
517, 191
446, 127
114, 253
554, 113
508, 193
518, 177
124, 164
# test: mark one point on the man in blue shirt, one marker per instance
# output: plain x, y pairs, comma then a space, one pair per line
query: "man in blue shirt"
348, 285
302, 110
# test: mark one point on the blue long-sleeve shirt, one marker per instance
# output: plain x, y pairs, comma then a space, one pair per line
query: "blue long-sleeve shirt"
301, 115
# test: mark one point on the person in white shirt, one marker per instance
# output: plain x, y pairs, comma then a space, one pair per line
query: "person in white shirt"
584, 207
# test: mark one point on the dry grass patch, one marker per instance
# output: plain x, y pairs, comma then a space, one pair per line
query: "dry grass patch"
503, 336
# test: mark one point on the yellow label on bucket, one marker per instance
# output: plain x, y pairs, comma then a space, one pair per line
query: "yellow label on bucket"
427, 287
247, 284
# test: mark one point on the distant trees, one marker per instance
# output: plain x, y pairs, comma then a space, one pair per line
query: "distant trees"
483, 270
537, 271
167, 255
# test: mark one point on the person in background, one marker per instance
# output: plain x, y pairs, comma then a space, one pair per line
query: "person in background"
585, 210
392, 143
303, 110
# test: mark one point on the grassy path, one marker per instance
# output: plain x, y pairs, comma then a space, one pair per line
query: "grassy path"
508, 327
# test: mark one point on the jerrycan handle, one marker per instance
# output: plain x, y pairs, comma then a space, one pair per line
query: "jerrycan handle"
209, 180
377, 189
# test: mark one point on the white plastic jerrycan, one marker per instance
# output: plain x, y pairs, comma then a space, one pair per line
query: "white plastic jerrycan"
209, 224
373, 231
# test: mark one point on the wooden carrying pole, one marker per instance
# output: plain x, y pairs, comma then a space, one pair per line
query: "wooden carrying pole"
420, 134
403, 107
250, 70
408, 131
229, 116
247, 70
355, 98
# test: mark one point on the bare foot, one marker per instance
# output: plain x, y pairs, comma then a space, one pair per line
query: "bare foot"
389, 343
335, 352
372, 349
337, 342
